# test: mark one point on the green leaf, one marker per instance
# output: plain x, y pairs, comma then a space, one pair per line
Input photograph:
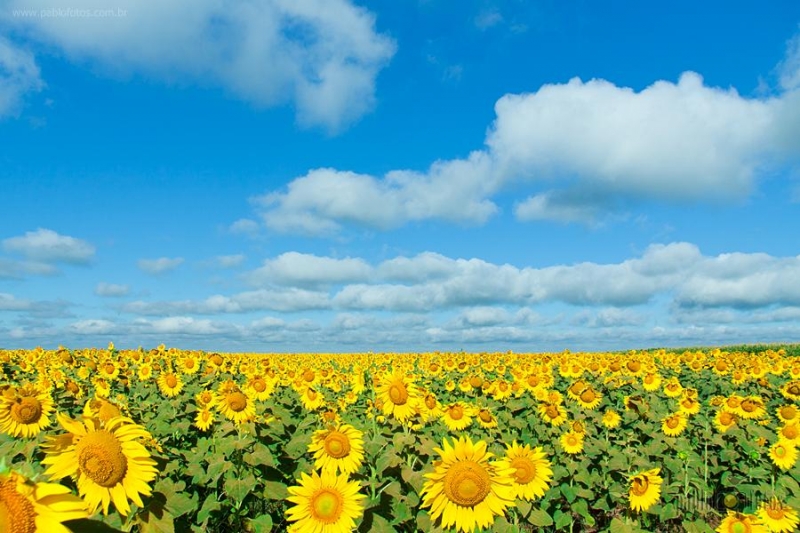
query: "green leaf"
155, 519
562, 519
237, 488
540, 518
275, 490
568, 492
260, 456
698, 526
209, 506
501, 525
180, 503
413, 478
618, 526
262, 524
668, 512
582, 508
524, 507
381, 525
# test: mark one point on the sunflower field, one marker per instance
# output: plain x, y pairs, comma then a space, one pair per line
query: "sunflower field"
169, 440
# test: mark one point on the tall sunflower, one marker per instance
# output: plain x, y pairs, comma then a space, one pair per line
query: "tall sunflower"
457, 416
234, 404
107, 461
611, 419
466, 490
25, 411
324, 502
572, 442
778, 517
532, 470
28, 507
399, 395
645, 489
674, 424
784, 454
170, 384
339, 448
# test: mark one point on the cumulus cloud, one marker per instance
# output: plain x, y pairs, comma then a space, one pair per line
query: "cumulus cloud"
244, 226
293, 268
33, 308
13, 269
111, 290
323, 56
158, 266
19, 74
673, 141
283, 299
47, 246
228, 261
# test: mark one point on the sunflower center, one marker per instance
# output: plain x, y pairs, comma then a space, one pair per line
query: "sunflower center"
26, 410
788, 412
259, 385
337, 445
775, 512
526, 470
430, 402
109, 368
467, 483
726, 418
16, 512
639, 486
551, 412
739, 527
237, 401
189, 364
588, 396
790, 432
673, 422
456, 412
216, 360
780, 451
476, 381
398, 393
101, 458
171, 381
485, 415
748, 406
794, 389
634, 366
572, 440
326, 506
308, 376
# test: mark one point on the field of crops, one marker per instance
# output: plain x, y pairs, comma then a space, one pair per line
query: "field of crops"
167, 440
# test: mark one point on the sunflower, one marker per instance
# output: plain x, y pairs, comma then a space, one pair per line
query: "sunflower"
788, 413
205, 398
689, 405
724, 420
485, 418
429, 407
572, 442
466, 490
204, 418
311, 398
778, 517
259, 387
399, 395
791, 390
673, 388
611, 419
790, 432
101, 409
28, 507
783, 454
339, 448
741, 523
532, 471
170, 384
108, 462
25, 411
645, 489
457, 416
553, 413
589, 398
651, 382
234, 404
674, 424
324, 502
145, 372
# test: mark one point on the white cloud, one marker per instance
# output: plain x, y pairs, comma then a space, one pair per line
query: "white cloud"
92, 327
111, 290
789, 69
672, 142
293, 268
46, 245
229, 261
321, 55
10, 268
19, 74
488, 18
244, 226
284, 300
158, 266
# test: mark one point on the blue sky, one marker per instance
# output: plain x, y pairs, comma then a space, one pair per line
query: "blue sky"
323, 175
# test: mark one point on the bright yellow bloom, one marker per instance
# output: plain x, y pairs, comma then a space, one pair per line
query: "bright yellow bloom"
572, 442
741, 523
326, 503
532, 472
674, 424
466, 490
611, 419
338, 449
170, 384
204, 419
778, 517
28, 507
457, 416
234, 404
645, 489
25, 411
107, 461
784, 454
399, 395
